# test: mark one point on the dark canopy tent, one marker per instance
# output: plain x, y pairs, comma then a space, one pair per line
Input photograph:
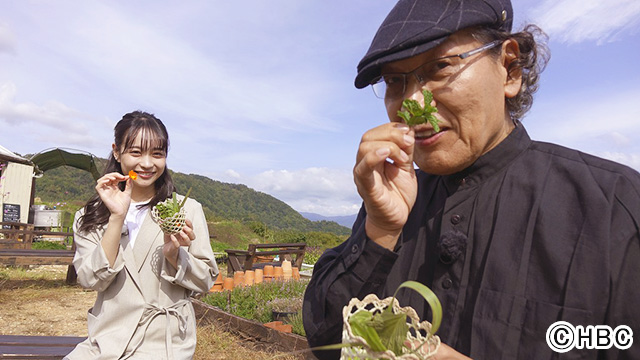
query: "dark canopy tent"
51, 159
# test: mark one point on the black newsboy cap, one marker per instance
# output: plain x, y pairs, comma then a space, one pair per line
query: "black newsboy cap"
415, 26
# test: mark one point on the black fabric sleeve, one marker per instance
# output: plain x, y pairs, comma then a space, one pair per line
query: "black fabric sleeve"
623, 309
355, 268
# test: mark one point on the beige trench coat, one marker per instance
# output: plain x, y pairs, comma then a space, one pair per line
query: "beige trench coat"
142, 310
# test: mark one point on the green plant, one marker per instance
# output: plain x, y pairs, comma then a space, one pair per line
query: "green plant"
297, 327
170, 207
387, 329
414, 113
312, 254
257, 302
286, 304
51, 245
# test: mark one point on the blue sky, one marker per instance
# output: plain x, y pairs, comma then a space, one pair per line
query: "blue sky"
261, 92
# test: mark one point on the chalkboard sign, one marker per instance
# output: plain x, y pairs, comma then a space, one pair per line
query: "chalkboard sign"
10, 213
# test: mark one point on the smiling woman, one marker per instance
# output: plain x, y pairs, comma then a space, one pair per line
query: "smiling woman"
147, 305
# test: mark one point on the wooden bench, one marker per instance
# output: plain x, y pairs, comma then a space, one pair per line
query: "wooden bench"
37, 347
259, 255
15, 248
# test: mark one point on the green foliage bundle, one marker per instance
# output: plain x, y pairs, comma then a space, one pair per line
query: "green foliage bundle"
170, 207
414, 114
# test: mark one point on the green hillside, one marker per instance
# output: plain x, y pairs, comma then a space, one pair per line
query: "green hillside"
221, 201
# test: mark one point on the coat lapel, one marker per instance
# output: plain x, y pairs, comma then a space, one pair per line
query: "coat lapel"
148, 235
129, 259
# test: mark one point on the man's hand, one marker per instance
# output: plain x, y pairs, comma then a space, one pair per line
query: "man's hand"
388, 189
446, 352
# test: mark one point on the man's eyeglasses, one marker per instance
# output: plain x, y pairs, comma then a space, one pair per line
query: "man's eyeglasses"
394, 86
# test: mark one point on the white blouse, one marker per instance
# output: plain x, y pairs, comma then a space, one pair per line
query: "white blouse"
134, 219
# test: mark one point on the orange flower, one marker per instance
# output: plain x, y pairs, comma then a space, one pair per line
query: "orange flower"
133, 175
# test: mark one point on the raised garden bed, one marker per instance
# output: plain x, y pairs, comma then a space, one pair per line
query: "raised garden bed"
262, 335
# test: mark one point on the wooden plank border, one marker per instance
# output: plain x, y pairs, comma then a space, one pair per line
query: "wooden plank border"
253, 330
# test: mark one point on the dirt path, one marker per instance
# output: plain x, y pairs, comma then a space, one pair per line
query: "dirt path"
43, 304
38, 302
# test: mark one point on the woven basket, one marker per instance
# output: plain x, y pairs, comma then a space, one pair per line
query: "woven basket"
171, 225
418, 332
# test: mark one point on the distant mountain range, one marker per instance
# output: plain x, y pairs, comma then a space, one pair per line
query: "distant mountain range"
221, 201
346, 220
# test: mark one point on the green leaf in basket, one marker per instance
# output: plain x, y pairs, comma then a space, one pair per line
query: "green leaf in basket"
394, 330
185, 199
170, 207
387, 330
430, 297
362, 324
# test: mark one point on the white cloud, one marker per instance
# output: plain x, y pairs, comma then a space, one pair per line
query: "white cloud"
140, 60
577, 121
50, 124
574, 21
7, 40
232, 174
51, 114
319, 190
631, 160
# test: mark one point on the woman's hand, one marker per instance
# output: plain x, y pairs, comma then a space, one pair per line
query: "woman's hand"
117, 201
172, 243
388, 189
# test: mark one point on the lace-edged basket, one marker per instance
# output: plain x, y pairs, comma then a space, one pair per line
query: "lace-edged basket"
418, 332
171, 225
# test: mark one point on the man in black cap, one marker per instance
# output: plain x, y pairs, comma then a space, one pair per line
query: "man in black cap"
513, 235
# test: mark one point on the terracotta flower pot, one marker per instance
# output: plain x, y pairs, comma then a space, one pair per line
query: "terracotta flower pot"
277, 273
287, 272
219, 279
268, 270
296, 273
249, 277
259, 275
238, 278
228, 284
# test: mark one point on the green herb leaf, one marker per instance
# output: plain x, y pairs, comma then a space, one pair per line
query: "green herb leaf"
185, 199
430, 297
387, 330
170, 207
394, 331
415, 114
362, 325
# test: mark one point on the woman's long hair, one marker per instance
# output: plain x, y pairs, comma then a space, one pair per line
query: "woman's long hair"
154, 136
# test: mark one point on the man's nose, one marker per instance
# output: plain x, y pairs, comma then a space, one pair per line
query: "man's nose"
414, 90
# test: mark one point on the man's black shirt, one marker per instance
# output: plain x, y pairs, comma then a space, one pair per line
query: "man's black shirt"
532, 233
